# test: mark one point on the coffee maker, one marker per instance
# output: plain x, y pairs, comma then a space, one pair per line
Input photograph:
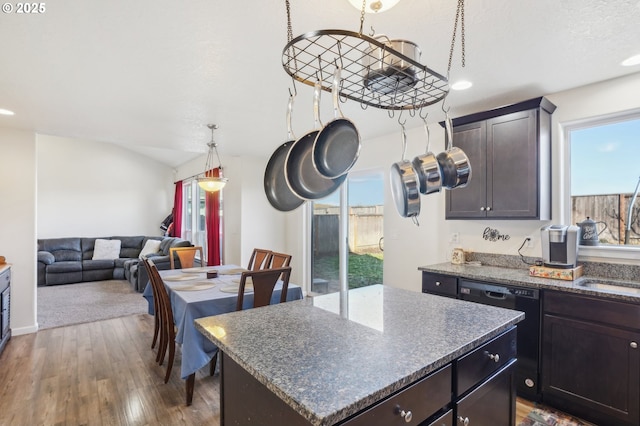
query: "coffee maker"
560, 246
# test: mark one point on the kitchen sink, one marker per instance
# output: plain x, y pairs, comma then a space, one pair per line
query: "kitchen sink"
628, 288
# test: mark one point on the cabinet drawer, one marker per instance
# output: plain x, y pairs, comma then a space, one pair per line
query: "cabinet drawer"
445, 420
485, 360
422, 399
588, 308
445, 285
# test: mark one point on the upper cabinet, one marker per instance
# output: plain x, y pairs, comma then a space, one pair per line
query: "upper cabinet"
509, 150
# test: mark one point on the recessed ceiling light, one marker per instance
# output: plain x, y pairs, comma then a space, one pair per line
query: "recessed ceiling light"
461, 85
374, 6
631, 61
6, 112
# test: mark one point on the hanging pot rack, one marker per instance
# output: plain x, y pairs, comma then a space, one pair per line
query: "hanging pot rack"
313, 57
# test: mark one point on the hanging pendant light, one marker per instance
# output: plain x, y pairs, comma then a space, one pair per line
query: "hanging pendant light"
374, 6
211, 183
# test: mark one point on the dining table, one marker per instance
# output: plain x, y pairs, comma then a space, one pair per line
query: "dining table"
192, 296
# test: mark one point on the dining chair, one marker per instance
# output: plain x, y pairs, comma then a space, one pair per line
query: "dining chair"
263, 282
186, 255
259, 259
156, 308
279, 260
167, 325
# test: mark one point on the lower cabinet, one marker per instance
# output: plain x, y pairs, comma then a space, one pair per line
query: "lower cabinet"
476, 389
492, 402
591, 359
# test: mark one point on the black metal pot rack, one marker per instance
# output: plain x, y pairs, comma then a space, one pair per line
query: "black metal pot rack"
315, 55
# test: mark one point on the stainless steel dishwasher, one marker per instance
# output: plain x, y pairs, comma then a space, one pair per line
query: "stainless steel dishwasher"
522, 299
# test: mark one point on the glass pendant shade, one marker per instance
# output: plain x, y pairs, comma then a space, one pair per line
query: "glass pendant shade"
212, 184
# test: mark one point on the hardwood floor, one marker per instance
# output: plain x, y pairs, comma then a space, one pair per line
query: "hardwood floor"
100, 373
104, 373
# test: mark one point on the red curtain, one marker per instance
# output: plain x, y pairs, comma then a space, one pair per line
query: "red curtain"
177, 211
212, 217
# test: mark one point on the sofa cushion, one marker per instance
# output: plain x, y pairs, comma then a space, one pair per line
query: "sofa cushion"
106, 249
91, 265
130, 246
63, 267
63, 249
46, 257
150, 247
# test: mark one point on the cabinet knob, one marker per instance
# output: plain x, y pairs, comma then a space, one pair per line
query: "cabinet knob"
463, 420
481, 209
406, 415
634, 345
488, 208
493, 357
437, 283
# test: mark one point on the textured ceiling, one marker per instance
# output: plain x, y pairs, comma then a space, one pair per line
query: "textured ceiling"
150, 74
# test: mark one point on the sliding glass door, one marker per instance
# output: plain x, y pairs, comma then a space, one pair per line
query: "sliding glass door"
365, 223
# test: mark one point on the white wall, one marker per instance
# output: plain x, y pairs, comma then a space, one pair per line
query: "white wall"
18, 223
95, 189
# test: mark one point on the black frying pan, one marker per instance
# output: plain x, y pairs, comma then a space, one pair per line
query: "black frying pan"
337, 145
301, 175
275, 184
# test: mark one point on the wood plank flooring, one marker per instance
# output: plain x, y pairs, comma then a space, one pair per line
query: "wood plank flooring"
104, 373
100, 373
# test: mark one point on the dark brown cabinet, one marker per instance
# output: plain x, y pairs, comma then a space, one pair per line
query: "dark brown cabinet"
509, 150
590, 358
5, 299
439, 284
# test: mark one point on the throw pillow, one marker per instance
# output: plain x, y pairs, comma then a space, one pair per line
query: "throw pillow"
106, 249
151, 246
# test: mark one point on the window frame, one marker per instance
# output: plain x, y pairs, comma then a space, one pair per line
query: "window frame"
600, 252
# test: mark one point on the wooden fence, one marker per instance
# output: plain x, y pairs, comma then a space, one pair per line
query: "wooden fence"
612, 211
365, 229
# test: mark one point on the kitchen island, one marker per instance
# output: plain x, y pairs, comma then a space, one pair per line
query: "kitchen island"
310, 362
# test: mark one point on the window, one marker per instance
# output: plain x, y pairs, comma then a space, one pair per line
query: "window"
366, 214
605, 175
194, 216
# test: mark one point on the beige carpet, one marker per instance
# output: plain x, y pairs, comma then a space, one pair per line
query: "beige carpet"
87, 302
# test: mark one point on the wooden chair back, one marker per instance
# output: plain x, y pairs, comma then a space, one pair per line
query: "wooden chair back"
156, 309
186, 255
264, 281
167, 327
259, 259
279, 260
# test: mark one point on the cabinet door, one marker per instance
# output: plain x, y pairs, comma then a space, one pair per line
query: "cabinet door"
512, 166
591, 370
470, 201
492, 403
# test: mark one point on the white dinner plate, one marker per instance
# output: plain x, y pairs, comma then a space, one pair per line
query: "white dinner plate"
185, 277
194, 287
248, 288
199, 269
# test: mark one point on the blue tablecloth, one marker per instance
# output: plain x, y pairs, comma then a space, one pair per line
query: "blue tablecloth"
188, 305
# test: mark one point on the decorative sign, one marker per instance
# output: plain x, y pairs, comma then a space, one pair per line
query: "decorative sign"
494, 235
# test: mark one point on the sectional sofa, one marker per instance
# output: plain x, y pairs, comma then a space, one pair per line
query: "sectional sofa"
75, 259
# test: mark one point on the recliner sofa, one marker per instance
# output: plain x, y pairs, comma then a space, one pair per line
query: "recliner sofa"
70, 260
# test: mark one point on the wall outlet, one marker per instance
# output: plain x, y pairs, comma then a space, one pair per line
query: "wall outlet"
455, 238
530, 243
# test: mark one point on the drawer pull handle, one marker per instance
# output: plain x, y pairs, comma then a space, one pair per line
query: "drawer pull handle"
634, 345
437, 283
406, 415
463, 420
493, 357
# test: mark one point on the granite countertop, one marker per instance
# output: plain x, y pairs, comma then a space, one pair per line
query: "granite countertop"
329, 366
628, 290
